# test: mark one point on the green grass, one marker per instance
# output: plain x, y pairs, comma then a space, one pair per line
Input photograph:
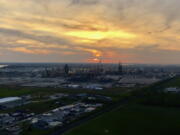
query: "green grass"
155, 95
175, 82
133, 120
40, 107
6, 91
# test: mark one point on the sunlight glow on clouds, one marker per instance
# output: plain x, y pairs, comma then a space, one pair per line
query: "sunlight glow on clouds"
29, 51
99, 35
89, 30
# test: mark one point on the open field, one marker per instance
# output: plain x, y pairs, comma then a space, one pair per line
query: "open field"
133, 120
156, 95
6, 91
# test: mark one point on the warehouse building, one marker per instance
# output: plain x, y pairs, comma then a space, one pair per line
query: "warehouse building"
10, 102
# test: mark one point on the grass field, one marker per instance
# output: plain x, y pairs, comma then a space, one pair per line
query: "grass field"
133, 120
6, 91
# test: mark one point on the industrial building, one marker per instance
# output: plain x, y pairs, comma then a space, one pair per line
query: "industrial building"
10, 102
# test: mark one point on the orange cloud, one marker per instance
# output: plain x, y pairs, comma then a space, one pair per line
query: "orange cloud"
127, 27
30, 51
94, 52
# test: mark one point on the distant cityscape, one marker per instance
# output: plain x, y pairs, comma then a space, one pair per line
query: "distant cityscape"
89, 76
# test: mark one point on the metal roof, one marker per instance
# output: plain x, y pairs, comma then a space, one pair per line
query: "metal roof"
9, 99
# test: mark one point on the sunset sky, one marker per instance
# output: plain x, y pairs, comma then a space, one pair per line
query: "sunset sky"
132, 31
